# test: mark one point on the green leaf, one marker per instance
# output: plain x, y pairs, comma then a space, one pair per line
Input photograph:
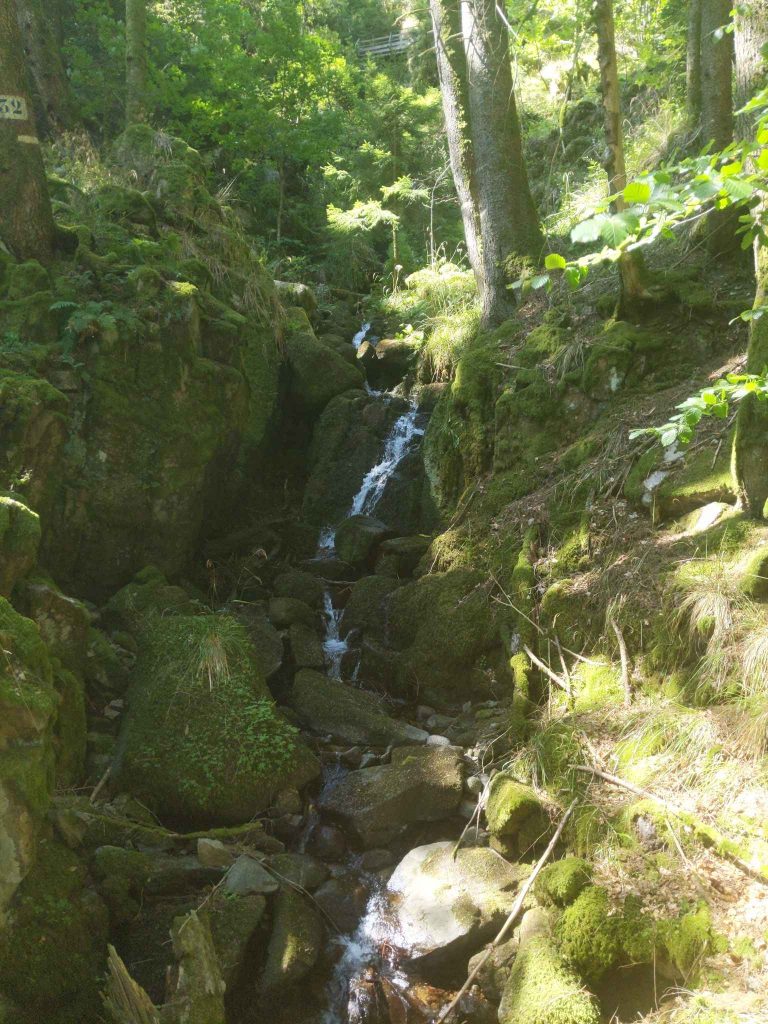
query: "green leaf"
555, 261
637, 192
573, 277
540, 281
588, 230
737, 189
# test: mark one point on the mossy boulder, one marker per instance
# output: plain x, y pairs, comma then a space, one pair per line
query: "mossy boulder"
754, 574
64, 621
317, 373
516, 818
53, 946
126, 206
195, 989
590, 935
149, 593
399, 556
696, 481
621, 355
542, 989
367, 607
300, 586
358, 538
295, 944
687, 940
292, 294
19, 542
223, 749
561, 882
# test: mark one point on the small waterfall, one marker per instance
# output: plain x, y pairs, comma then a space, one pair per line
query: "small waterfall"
334, 645
359, 338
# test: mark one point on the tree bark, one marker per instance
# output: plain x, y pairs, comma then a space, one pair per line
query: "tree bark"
26, 220
750, 35
508, 221
633, 291
136, 67
693, 65
454, 91
51, 93
716, 74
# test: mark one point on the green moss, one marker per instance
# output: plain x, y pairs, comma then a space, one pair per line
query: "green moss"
19, 542
23, 279
567, 612
53, 949
597, 686
561, 882
296, 941
515, 815
687, 940
697, 482
541, 989
528, 421
70, 728
754, 574
621, 355
589, 936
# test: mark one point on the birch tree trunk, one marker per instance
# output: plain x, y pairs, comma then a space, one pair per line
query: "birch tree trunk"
508, 221
26, 220
135, 61
693, 65
633, 291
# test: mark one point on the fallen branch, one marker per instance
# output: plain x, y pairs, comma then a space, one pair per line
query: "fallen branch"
125, 1000
513, 914
101, 784
710, 837
626, 684
548, 671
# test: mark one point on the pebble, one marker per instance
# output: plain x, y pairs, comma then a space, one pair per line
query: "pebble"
438, 741
475, 784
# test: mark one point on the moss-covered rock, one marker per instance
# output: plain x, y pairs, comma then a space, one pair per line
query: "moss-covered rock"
223, 750
358, 538
621, 355
687, 940
53, 948
19, 542
589, 936
195, 985
317, 373
561, 882
516, 817
541, 989
295, 944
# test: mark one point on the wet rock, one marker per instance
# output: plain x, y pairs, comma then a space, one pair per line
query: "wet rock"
421, 784
358, 537
301, 586
212, 853
195, 985
352, 757
330, 569
327, 843
295, 943
247, 876
349, 715
389, 361
288, 801
344, 900
306, 647
493, 975
376, 860
445, 908
299, 868
285, 612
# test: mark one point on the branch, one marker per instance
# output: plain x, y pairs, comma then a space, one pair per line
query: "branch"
513, 914
548, 671
625, 680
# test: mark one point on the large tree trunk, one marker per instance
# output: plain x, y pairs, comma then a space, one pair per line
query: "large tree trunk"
716, 74
51, 92
750, 450
633, 291
26, 220
454, 90
509, 225
693, 65
135, 61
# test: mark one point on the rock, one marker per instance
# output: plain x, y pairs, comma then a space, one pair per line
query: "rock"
421, 784
317, 373
444, 908
516, 817
233, 923
589, 935
358, 537
267, 643
366, 608
295, 944
301, 586
438, 741
64, 622
224, 750
352, 757
344, 900
195, 985
541, 989
495, 970
285, 612
535, 922
475, 784
306, 647
399, 556
389, 361
562, 881
376, 860
212, 853
299, 868
369, 759
435, 722
248, 876
128, 878
327, 843
379, 667
288, 801
349, 715
424, 712
292, 294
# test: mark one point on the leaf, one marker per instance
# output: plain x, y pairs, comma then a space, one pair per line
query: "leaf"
737, 189
728, 170
540, 281
588, 230
573, 277
669, 436
637, 192
555, 261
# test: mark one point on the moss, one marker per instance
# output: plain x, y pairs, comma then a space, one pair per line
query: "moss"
589, 936
754, 574
621, 355
23, 279
528, 421
561, 882
53, 949
541, 989
126, 206
597, 686
224, 750
515, 815
19, 542
317, 373
566, 612
687, 940
70, 728
697, 482
297, 938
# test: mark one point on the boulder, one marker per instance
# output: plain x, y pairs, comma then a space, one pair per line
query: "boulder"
233, 923
292, 294
301, 586
285, 612
64, 621
349, 715
344, 900
317, 373
247, 876
195, 993
19, 541
388, 361
306, 647
366, 608
300, 869
358, 537
224, 750
444, 908
378, 804
542, 989
399, 556
295, 944
516, 818
563, 880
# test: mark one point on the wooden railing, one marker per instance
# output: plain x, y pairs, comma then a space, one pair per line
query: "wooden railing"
384, 46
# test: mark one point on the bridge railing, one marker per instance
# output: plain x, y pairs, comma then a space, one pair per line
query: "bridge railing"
383, 46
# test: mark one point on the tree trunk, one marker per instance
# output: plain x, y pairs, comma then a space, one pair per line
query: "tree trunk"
454, 90
51, 93
508, 222
135, 61
26, 220
693, 65
750, 450
633, 292
716, 74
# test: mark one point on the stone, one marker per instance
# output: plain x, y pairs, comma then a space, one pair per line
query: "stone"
233, 923
19, 542
388, 361
358, 537
444, 908
292, 294
438, 741
542, 989
376, 860
306, 647
349, 715
378, 804
295, 943
285, 612
516, 817
495, 969
301, 586
248, 876
563, 880
300, 869
195, 984
534, 923
327, 843
316, 373
288, 801
212, 853
352, 757
344, 899
399, 556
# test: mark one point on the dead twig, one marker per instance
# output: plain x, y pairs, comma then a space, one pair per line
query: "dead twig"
562, 683
100, 785
626, 683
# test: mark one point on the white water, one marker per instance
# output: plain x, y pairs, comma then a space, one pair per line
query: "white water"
334, 645
359, 338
